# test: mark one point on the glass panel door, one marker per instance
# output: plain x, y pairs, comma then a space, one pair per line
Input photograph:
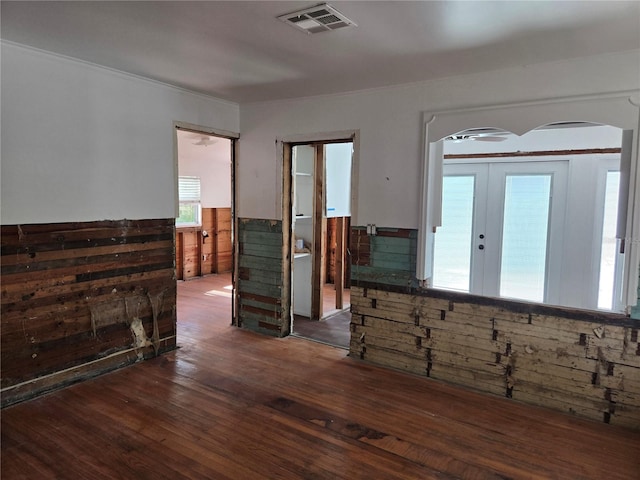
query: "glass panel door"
453, 240
525, 227
501, 234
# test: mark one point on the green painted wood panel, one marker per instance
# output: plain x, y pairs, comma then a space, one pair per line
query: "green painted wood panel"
267, 251
391, 258
260, 263
259, 225
258, 288
260, 275
382, 276
260, 238
394, 245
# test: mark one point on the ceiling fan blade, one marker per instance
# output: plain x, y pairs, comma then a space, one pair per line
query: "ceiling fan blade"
488, 138
205, 140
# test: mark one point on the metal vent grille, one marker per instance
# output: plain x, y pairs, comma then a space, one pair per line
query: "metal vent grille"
321, 18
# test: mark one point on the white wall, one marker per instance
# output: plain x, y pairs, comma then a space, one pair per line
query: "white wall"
82, 143
389, 122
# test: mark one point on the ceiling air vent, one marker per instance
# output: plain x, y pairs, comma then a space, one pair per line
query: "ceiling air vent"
321, 18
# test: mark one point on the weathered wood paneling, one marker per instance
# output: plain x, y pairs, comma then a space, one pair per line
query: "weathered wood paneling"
82, 298
224, 245
332, 245
208, 248
189, 252
585, 363
260, 276
198, 255
387, 258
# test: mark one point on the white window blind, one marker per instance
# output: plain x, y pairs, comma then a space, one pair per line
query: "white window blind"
189, 189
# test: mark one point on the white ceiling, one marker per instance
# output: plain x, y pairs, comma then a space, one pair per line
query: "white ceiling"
188, 148
239, 51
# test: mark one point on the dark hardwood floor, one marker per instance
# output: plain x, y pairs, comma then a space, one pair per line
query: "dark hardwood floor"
231, 404
333, 330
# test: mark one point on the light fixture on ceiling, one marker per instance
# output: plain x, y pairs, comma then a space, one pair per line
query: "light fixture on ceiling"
205, 140
480, 135
321, 18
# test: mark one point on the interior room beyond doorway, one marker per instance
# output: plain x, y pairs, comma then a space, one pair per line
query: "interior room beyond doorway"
204, 245
321, 215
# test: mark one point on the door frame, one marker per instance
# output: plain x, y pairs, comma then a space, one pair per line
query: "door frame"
284, 202
233, 136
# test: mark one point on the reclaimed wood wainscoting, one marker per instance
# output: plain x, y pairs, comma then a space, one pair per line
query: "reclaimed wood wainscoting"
79, 299
197, 254
579, 362
263, 276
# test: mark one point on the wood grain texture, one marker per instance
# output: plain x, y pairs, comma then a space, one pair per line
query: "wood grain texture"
387, 258
223, 246
231, 404
339, 264
197, 255
586, 366
82, 298
262, 306
338, 235
319, 244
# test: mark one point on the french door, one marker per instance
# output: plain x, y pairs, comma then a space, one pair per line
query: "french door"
502, 229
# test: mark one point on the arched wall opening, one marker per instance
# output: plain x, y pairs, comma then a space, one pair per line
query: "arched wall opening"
579, 154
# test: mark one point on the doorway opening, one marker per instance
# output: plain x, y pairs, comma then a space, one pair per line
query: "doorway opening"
532, 217
321, 179
204, 228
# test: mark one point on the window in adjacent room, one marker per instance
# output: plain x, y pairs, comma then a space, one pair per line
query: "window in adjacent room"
189, 202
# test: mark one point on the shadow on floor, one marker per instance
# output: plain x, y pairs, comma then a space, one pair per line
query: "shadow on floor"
333, 330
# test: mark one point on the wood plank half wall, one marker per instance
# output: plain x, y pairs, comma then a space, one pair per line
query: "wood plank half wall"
79, 299
197, 255
579, 362
262, 306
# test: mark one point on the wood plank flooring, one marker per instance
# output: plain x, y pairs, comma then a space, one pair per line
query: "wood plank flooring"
232, 404
334, 327
329, 299
333, 330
